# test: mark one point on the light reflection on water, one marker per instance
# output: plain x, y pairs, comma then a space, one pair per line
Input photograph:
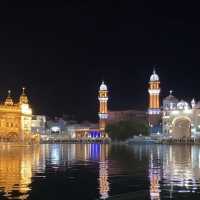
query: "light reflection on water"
95, 171
174, 171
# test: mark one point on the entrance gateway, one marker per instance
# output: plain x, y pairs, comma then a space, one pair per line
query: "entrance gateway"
181, 128
172, 118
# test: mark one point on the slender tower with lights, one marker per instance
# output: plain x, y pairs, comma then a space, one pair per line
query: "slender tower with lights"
154, 100
103, 106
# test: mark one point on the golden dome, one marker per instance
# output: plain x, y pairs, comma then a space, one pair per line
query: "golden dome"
9, 101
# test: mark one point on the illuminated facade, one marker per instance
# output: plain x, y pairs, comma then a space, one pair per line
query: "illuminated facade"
154, 94
15, 119
177, 119
103, 107
154, 110
180, 120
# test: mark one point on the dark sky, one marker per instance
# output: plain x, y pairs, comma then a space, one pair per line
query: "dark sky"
62, 50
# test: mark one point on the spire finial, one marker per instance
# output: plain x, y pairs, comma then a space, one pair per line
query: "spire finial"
9, 100
23, 90
154, 69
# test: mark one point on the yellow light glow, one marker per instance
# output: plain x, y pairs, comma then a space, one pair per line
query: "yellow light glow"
25, 109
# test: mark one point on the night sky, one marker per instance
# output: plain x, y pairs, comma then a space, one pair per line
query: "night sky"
62, 51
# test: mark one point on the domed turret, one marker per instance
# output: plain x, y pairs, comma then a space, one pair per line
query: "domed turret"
23, 98
9, 101
170, 102
154, 76
183, 105
103, 86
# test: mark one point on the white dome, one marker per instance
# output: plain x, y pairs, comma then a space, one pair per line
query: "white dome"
182, 105
193, 101
103, 87
154, 76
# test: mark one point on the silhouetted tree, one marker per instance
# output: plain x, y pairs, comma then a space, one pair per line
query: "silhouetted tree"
123, 130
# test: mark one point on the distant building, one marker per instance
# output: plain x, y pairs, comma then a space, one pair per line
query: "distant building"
83, 131
39, 124
60, 128
127, 115
89, 130
56, 126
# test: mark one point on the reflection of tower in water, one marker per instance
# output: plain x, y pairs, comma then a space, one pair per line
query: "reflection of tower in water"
93, 151
103, 180
154, 175
104, 187
96, 152
16, 165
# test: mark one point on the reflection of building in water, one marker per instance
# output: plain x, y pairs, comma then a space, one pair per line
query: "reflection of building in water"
154, 175
16, 165
96, 152
179, 169
59, 154
103, 180
92, 151
104, 187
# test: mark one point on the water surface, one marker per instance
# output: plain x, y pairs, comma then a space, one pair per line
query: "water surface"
99, 171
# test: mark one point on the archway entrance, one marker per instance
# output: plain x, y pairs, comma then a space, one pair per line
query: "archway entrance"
181, 128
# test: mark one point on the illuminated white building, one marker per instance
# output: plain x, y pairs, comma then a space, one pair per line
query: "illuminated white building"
180, 119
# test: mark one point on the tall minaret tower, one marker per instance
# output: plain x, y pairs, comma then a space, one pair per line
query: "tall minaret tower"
103, 106
154, 94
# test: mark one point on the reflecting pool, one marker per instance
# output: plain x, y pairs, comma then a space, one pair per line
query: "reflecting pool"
99, 171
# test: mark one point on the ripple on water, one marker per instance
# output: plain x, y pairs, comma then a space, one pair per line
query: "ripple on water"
96, 171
